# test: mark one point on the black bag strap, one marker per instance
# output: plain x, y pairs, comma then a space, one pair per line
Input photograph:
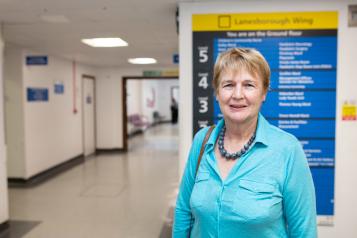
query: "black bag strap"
208, 134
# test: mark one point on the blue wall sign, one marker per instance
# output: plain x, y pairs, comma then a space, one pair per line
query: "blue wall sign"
36, 60
176, 59
59, 88
37, 94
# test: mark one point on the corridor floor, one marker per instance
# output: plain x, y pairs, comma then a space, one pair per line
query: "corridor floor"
125, 195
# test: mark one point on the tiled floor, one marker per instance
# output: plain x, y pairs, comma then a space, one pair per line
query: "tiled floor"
110, 195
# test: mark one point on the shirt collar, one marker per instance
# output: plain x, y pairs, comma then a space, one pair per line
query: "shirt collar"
261, 134
262, 130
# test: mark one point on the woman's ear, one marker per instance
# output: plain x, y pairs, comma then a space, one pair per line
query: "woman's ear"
265, 96
265, 93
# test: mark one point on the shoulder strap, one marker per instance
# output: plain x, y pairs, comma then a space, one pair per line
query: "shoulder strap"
203, 147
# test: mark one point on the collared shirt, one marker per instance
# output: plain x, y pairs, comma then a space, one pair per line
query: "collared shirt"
269, 192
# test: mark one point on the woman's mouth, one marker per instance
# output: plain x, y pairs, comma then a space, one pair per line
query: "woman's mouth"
234, 106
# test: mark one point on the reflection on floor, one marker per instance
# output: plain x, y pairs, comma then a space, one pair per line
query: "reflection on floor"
110, 195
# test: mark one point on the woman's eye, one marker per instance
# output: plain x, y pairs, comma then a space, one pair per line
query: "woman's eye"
227, 85
250, 85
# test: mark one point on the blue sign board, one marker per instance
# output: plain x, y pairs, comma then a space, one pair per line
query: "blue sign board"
37, 94
59, 88
36, 60
314, 104
302, 96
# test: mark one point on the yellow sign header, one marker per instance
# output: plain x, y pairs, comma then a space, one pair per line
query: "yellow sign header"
265, 21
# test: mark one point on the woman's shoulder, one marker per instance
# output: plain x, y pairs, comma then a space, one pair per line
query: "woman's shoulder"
198, 140
199, 136
274, 133
282, 136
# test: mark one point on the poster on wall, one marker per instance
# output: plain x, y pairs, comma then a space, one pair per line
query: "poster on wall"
37, 94
301, 49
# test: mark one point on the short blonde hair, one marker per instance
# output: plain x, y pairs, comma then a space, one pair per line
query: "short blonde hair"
236, 59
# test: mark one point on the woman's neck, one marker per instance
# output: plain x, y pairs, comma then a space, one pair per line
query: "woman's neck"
240, 132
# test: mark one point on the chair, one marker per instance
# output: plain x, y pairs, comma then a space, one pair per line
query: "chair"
157, 117
138, 122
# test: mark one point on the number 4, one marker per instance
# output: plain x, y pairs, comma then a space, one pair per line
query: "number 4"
203, 82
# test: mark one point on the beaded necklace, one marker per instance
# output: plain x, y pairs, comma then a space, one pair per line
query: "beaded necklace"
236, 155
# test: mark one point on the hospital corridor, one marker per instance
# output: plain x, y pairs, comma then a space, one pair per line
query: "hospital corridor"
109, 195
178, 118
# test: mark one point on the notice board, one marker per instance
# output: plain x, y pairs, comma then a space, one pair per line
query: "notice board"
301, 49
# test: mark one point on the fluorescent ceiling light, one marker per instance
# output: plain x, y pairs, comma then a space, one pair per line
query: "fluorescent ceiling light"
105, 42
142, 61
54, 18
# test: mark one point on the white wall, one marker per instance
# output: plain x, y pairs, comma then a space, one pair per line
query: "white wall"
134, 97
150, 92
14, 112
109, 106
49, 133
346, 132
4, 207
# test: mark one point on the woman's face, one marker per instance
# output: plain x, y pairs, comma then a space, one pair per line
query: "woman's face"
240, 95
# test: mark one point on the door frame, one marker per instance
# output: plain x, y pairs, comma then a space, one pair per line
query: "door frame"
90, 77
124, 101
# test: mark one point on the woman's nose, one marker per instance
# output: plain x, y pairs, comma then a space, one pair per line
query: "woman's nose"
237, 92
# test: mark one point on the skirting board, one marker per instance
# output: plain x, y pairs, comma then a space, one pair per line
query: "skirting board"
47, 174
109, 151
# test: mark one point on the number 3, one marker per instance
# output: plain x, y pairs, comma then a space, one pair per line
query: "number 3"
203, 106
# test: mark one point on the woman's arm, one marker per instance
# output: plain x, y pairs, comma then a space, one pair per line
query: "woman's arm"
183, 219
299, 196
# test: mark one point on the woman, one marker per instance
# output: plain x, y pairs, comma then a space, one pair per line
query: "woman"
253, 180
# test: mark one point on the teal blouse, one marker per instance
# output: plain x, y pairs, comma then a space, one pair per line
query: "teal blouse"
268, 193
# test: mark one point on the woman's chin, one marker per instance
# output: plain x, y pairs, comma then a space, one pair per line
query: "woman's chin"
236, 119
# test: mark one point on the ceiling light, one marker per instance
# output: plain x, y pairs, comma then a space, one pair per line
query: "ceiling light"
54, 18
142, 61
105, 42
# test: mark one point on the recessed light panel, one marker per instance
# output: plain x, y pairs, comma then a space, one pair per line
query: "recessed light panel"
105, 42
54, 18
142, 61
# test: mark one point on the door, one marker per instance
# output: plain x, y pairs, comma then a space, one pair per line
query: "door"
88, 100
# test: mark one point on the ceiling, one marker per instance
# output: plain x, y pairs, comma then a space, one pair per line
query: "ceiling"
148, 26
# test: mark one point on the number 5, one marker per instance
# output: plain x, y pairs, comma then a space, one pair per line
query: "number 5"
203, 54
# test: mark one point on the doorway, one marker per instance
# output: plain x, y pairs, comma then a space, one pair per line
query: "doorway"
152, 97
88, 105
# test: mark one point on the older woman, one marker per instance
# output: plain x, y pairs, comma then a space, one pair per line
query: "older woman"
253, 180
